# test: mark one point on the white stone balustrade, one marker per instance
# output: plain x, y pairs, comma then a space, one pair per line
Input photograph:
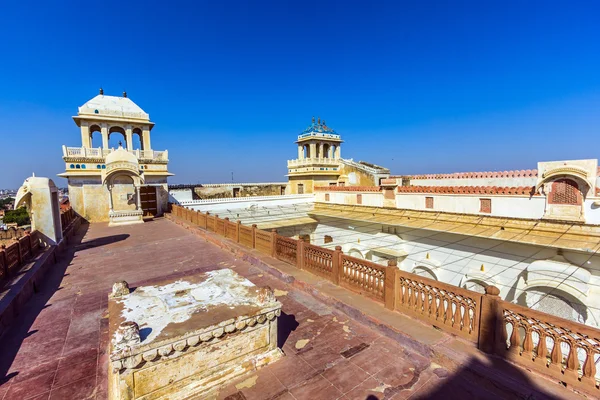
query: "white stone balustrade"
95, 153
309, 161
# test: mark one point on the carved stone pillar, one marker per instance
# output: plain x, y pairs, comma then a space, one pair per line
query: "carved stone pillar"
129, 138
104, 132
138, 198
110, 199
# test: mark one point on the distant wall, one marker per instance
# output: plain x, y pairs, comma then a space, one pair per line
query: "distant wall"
239, 190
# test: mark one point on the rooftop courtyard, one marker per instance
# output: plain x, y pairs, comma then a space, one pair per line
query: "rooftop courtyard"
57, 349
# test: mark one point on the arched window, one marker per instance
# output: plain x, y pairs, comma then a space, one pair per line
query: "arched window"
325, 151
116, 134
95, 136
565, 191
137, 142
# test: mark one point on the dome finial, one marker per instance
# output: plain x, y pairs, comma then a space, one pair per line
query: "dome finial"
319, 121
102, 91
313, 120
124, 94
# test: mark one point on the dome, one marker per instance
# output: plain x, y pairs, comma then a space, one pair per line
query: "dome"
113, 106
120, 156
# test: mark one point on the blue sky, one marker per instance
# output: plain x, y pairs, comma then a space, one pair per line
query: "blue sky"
418, 87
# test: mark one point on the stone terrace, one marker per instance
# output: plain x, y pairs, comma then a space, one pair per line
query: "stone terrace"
58, 348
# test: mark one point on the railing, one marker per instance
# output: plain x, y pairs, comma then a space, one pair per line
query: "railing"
448, 307
318, 260
88, 152
308, 161
286, 249
14, 256
363, 276
231, 230
246, 236
563, 349
263, 241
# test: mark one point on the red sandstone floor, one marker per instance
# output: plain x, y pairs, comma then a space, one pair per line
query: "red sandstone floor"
57, 351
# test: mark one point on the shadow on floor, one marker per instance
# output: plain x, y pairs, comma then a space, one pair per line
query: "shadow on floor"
286, 324
11, 341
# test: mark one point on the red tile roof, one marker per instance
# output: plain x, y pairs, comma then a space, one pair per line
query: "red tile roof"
528, 173
497, 190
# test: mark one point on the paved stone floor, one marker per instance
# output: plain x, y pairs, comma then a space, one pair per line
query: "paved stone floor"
58, 348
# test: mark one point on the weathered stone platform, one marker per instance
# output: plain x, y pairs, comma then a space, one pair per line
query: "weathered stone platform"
186, 338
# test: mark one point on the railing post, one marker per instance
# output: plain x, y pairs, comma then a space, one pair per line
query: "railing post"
205, 218
274, 243
492, 334
237, 231
253, 236
28, 234
390, 289
300, 254
19, 252
4, 261
335, 265
226, 226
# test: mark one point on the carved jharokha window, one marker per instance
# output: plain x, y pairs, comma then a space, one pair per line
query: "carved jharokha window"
328, 239
565, 191
428, 202
485, 205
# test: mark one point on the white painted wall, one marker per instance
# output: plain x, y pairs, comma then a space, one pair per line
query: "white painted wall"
374, 199
179, 195
502, 206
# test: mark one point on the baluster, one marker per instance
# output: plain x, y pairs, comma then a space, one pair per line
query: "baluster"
556, 355
434, 306
404, 288
457, 316
572, 361
447, 311
419, 299
413, 300
542, 350
466, 322
589, 367
528, 343
515, 339
426, 303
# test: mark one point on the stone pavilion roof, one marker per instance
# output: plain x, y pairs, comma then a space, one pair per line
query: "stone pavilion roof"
113, 106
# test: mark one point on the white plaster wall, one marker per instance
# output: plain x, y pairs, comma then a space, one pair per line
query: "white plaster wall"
511, 182
180, 195
374, 199
502, 206
591, 212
